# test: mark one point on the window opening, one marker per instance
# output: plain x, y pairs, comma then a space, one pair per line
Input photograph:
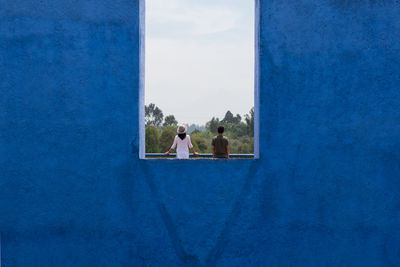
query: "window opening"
199, 73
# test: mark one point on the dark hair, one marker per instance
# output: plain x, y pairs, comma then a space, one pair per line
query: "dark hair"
221, 129
182, 135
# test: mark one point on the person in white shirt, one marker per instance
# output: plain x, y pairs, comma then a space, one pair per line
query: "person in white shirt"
182, 144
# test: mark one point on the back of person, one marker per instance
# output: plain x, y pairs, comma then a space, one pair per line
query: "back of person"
220, 144
182, 146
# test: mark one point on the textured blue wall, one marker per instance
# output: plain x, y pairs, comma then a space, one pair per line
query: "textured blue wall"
325, 191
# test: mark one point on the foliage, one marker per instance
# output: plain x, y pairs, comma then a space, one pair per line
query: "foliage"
199, 144
249, 118
196, 131
153, 115
194, 127
171, 127
213, 124
166, 139
206, 136
170, 121
152, 140
229, 118
236, 130
240, 133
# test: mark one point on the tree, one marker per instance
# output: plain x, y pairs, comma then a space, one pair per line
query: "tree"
152, 140
229, 118
166, 139
153, 115
194, 127
237, 119
170, 121
236, 130
196, 131
244, 149
213, 124
249, 118
199, 144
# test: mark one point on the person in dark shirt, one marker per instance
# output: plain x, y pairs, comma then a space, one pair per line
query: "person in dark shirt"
220, 144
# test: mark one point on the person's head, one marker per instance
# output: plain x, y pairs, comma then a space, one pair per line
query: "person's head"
220, 129
181, 131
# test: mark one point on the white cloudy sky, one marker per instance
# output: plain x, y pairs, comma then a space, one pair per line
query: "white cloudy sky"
200, 57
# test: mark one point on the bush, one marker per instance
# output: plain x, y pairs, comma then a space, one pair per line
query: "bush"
199, 144
166, 139
244, 149
152, 140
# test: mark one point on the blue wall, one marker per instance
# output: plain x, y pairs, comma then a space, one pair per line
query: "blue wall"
325, 190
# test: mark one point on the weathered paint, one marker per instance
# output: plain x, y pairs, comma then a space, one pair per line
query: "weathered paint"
325, 190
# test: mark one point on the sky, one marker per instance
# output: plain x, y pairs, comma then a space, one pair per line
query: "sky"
200, 58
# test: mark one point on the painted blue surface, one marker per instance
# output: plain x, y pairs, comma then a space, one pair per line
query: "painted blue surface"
200, 156
325, 191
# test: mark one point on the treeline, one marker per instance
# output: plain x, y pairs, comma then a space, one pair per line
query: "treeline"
160, 131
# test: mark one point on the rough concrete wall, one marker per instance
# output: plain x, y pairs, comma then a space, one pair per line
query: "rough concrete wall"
325, 190
330, 134
69, 75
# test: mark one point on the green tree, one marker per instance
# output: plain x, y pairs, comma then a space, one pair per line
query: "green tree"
244, 149
170, 121
249, 118
213, 124
237, 119
153, 115
206, 136
166, 139
199, 144
234, 145
152, 140
245, 145
236, 130
229, 118
196, 132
